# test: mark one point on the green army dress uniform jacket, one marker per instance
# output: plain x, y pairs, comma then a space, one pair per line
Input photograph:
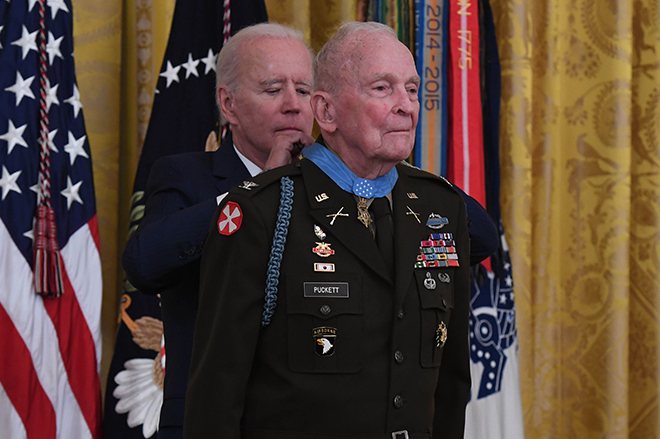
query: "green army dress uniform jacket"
350, 352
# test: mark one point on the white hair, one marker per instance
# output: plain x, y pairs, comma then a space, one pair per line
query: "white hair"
228, 65
339, 51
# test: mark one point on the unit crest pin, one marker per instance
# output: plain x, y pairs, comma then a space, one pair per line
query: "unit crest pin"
320, 234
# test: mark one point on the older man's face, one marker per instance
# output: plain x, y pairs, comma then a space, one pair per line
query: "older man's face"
378, 107
274, 93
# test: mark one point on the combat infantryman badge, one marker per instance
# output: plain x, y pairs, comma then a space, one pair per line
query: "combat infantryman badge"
230, 219
436, 221
325, 337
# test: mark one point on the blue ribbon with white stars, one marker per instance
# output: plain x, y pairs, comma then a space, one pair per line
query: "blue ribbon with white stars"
334, 168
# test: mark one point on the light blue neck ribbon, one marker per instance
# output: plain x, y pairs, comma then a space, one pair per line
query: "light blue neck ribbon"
334, 168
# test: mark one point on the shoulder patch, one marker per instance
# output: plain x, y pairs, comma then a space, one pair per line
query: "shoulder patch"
231, 218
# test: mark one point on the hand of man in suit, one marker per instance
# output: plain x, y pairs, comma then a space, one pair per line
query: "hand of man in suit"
287, 148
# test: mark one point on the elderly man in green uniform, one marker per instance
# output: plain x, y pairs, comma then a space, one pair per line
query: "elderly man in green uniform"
334, 292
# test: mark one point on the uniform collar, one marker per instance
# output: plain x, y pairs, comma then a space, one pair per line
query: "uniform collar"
337, 170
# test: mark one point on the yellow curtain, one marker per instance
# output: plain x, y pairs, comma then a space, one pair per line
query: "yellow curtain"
318, 20
581, 206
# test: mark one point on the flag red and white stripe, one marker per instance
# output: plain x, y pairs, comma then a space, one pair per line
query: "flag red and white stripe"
50, 348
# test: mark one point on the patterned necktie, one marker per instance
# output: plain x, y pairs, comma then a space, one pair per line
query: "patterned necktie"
380, 207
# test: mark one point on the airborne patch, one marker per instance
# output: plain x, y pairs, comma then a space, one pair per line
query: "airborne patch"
324, 338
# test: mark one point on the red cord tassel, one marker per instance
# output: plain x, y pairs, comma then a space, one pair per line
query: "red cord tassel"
47, 257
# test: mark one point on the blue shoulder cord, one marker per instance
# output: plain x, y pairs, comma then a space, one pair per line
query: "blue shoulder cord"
276, 251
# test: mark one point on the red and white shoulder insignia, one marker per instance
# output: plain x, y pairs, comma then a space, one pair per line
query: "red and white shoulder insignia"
230, 219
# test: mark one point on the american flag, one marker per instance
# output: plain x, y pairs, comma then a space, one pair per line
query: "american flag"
50, 348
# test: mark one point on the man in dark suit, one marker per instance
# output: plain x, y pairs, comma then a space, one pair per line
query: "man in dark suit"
334, 292
264, 84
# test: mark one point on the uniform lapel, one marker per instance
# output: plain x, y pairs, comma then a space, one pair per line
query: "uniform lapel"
409, 230
228, 166
328, 205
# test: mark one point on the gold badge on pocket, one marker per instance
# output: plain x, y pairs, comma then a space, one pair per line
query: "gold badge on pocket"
441, 335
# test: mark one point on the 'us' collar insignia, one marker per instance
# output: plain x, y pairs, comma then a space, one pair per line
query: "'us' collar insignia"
321, 197
248, 185
436, 221
325, 337
323, 249
412, 195
230, 219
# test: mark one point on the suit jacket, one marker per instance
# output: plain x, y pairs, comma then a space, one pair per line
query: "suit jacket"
381, 369
162, 256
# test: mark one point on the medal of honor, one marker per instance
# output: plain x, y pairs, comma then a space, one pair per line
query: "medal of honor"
363, 212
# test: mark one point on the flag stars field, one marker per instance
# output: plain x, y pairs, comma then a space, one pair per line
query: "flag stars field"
51, 95
14, 136
75, 148
74, 101
51, 142
21, 88
53, 47
55, 6
71, 192
27, 42
8, 182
